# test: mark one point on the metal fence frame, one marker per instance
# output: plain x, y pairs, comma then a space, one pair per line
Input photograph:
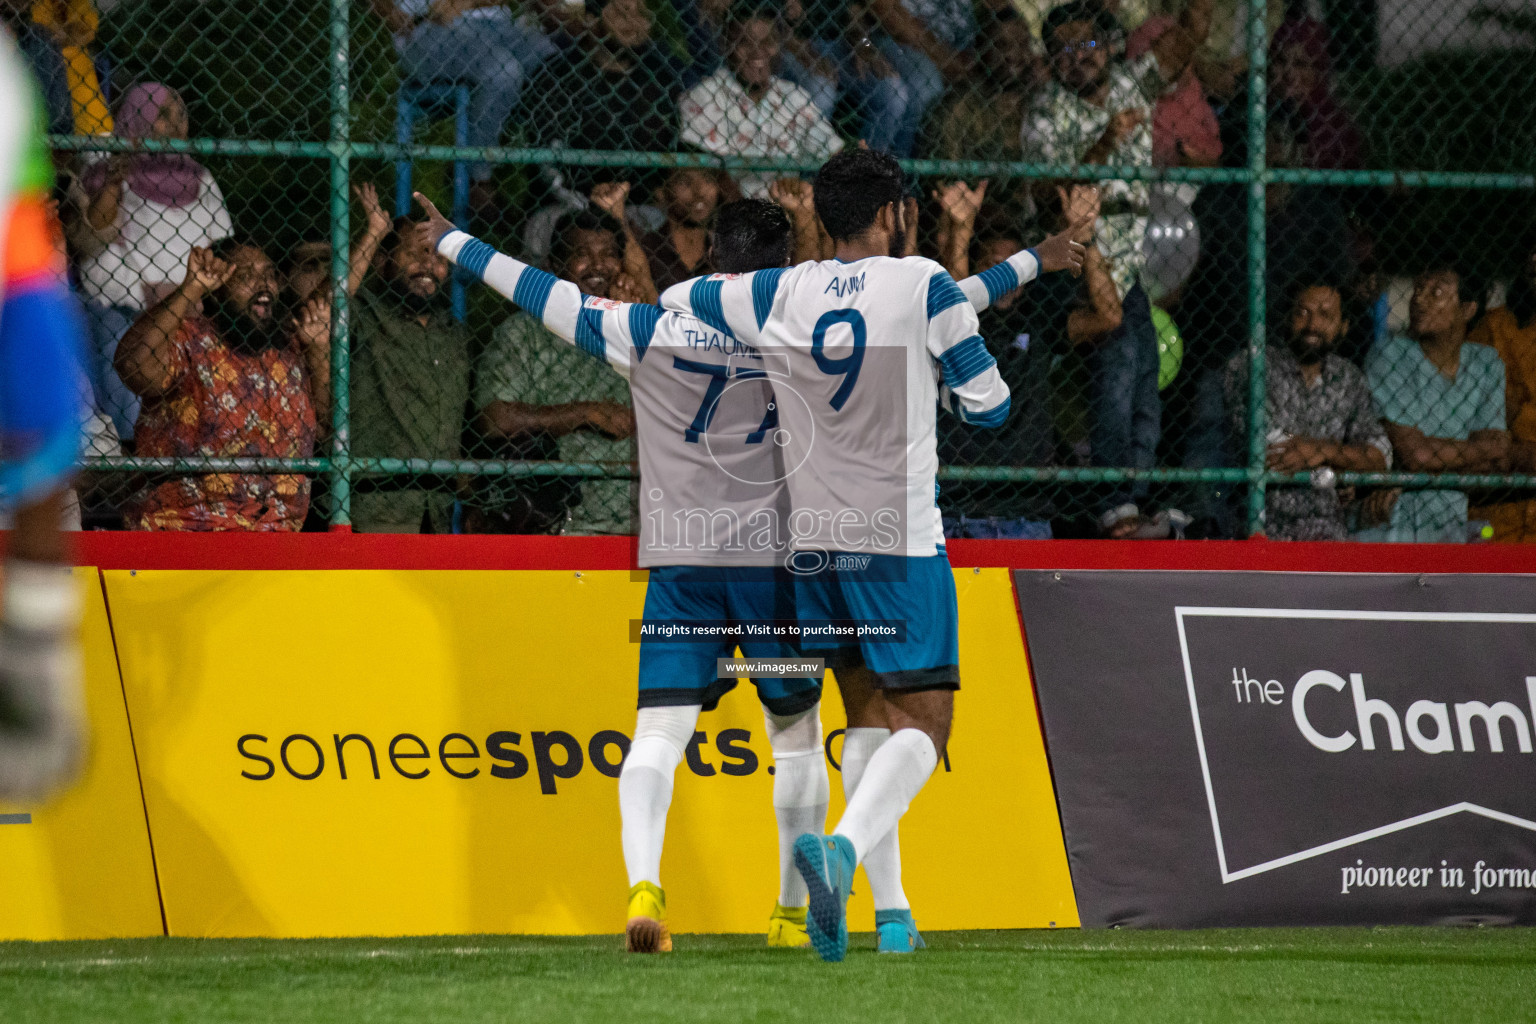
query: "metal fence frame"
340, 467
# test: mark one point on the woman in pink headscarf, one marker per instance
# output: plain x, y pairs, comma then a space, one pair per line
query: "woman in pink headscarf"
148, 210
1301, 74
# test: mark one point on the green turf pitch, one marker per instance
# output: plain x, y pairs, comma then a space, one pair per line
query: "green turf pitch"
1354, 975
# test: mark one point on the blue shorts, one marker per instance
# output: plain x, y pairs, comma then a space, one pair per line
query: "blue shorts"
676, 673
918, 593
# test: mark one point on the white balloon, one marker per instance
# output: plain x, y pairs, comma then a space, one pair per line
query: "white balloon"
1171, 245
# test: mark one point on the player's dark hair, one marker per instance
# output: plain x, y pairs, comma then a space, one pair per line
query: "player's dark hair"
853, 187
589, 219
750, 234
1104, 25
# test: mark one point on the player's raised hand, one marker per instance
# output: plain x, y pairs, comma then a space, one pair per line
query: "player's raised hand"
1062, 252
436, 225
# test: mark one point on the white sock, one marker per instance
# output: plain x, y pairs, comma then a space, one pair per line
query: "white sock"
800, 792
882, 865
892, 778
645, 786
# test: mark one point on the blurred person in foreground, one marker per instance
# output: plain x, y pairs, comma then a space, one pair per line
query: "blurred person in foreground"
1510, 330
1442, 402
41, 339
410, 384
532, 387
1320, 416
222, 375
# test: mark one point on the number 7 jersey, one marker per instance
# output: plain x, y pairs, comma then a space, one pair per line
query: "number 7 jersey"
711, 477
861, 355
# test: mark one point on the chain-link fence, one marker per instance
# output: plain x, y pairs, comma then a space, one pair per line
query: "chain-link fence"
1309, 306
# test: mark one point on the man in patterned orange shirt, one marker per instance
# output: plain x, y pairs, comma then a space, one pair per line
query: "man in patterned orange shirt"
223, 375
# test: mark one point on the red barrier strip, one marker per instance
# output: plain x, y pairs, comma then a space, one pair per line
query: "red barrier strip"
137, 550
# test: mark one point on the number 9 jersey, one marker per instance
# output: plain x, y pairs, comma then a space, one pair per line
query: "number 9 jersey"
864, 352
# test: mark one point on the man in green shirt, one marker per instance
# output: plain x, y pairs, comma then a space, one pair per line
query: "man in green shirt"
410, 385
530, 382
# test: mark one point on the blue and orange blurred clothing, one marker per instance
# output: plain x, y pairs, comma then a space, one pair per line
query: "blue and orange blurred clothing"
41, 333
225, 403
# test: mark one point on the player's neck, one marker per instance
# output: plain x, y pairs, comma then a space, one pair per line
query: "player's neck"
870, 243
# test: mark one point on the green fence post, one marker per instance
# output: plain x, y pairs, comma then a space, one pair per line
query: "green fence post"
341, 245
1257, 385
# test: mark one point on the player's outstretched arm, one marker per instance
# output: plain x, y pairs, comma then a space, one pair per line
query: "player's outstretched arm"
735, 304
973, 389
1060, 251
615, 332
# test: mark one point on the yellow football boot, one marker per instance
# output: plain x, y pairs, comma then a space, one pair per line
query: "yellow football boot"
786, 928
646, 931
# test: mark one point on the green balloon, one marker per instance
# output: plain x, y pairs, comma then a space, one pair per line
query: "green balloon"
1170, 348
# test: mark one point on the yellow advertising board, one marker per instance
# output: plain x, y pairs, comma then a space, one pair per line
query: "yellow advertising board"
79, 867
390, 753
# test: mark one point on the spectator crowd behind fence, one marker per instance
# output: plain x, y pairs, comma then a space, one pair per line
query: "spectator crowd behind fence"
1308, 307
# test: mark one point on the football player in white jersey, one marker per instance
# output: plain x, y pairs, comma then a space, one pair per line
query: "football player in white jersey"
873, 341
836, 315
732, 473
712, 521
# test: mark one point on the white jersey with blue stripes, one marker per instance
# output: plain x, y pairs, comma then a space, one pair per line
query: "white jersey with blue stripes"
711, 475
868, 349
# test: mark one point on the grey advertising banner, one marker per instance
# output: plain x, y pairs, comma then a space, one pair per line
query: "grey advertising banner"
1282, 748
